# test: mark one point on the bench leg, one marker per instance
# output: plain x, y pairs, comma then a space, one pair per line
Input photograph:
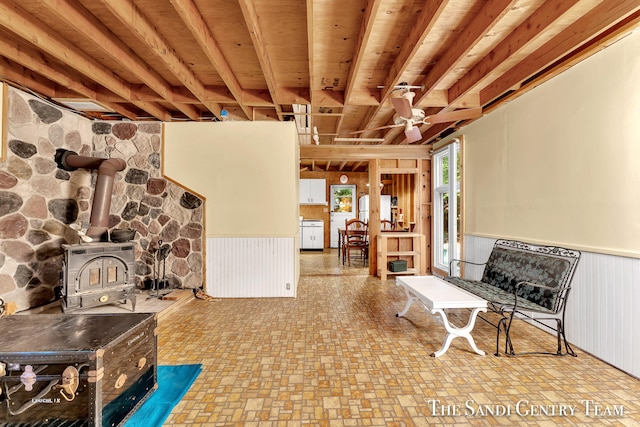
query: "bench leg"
567, 347
410, 300
505, 323
454, 332
508, 345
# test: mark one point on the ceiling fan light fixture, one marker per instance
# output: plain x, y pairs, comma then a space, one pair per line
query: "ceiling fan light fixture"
409, 96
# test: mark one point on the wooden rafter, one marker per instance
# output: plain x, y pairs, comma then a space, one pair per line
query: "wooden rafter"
488, 17
585, 28
29, 58
253, 24
419, 32
526, 33
177, 59
364, 37
131, 16
361, 152
312, 74
15, 19
77, 17
193, 19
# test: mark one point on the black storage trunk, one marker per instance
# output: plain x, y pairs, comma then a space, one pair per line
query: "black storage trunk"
397, 265
75, 369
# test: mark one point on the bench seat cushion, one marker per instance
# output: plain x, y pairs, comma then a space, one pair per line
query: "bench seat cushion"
495, 295
508, 266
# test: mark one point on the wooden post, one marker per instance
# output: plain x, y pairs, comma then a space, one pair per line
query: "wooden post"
374, 214
424, 212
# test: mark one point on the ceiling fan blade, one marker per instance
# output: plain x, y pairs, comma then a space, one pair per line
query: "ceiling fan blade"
413, 135
454, 116
381, 127
402, 107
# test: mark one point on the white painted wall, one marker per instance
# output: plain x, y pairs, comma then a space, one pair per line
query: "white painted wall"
248, 173
561, 165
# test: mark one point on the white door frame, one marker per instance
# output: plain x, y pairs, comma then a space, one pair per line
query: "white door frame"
440, 188
337, 219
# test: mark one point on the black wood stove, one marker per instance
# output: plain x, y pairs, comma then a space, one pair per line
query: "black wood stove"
97, 273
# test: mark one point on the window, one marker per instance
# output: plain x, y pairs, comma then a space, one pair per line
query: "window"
446, 209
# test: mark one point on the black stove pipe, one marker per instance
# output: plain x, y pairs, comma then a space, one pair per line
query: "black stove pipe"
107, 168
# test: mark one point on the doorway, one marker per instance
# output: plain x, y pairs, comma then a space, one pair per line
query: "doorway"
342, 200
447, 171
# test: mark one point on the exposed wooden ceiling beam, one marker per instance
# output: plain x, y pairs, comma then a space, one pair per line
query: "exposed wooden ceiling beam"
525, 34
20, 76
421, 29
488, 17
581, 31
491, 14
131, 16
16, 20
194, 21
366, 31
311, 56
217, 94
621, 29
253, 24
33, 60
29, 58
358, 164
77, 17
362, 152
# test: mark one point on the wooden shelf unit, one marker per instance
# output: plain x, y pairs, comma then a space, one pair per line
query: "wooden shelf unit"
401, 245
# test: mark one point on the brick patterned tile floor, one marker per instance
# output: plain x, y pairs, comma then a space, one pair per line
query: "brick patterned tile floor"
337, 355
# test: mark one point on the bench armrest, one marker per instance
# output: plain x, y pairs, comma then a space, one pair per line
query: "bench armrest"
463, 262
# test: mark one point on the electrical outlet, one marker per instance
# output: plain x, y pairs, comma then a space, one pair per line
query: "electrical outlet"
288, 286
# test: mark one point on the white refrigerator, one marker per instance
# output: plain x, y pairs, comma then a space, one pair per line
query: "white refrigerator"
385, 208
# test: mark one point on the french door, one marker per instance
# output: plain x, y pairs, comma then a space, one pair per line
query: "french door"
446, 206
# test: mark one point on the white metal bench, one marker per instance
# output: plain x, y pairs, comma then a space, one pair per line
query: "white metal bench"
529, 280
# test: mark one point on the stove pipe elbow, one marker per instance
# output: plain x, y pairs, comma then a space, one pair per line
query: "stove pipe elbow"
107, 168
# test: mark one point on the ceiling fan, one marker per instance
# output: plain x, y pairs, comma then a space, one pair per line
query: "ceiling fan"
410, 117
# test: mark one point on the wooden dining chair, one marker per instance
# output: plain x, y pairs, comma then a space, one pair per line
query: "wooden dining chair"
356, 240
386, 225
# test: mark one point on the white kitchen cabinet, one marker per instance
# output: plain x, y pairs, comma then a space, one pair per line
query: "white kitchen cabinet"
313, 192
312, 235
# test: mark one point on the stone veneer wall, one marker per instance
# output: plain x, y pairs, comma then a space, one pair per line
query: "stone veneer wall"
38, 200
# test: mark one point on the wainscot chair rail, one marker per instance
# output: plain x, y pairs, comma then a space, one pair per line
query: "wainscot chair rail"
522, 280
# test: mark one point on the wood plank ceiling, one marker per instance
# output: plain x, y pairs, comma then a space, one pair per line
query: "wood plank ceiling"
330, 65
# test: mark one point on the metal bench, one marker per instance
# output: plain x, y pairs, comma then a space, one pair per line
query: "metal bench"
522, 280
